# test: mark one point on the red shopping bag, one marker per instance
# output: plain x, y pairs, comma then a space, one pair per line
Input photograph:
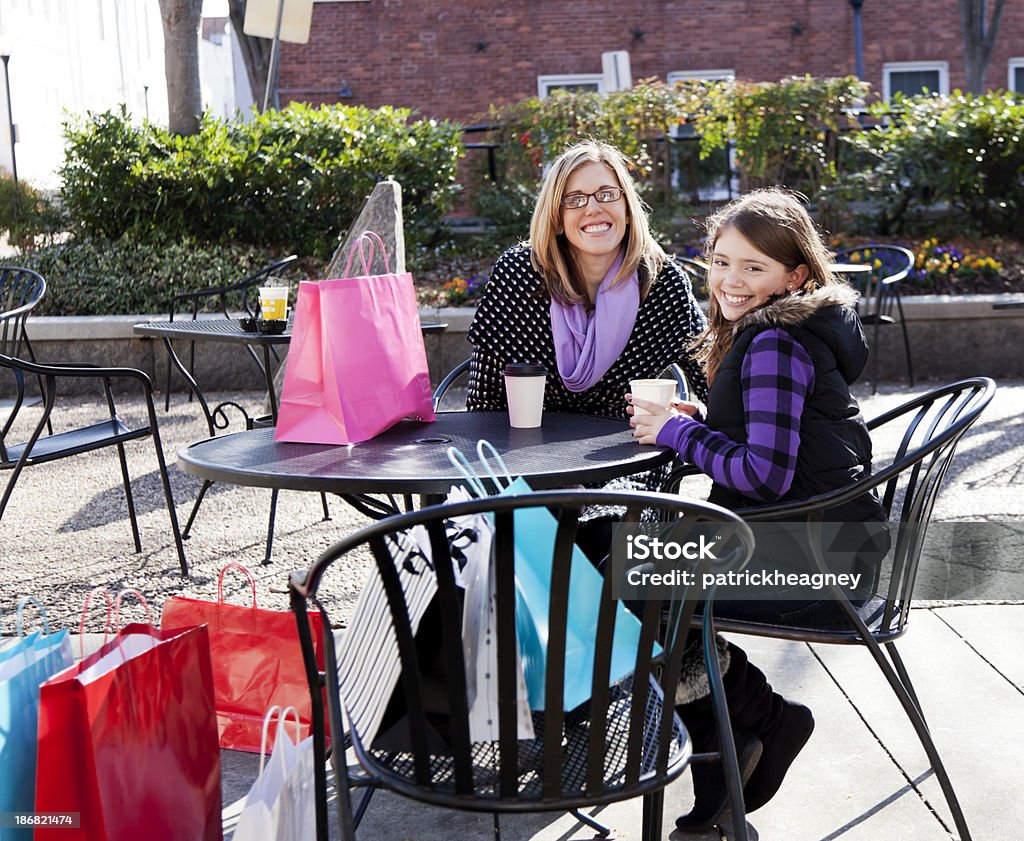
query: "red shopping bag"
256, 658
356, 363
128, 740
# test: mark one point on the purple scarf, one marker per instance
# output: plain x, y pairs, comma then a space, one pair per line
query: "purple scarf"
588, 343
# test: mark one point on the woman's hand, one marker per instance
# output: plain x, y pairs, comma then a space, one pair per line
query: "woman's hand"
647, 427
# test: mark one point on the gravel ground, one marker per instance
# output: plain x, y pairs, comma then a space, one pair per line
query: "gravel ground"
66, 528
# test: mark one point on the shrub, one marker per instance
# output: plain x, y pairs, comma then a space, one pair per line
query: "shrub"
25, 213
95, 276
980, 143
291, 179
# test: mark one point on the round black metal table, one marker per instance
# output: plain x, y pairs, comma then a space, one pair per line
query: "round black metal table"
411, 457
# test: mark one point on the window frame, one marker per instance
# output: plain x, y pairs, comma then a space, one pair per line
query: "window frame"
544, 82
941, 67
719, 75
1013, 65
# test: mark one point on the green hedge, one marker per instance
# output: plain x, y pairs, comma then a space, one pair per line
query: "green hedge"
292, 179
96, 276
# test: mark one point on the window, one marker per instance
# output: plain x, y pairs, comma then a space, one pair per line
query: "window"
1015, 76
707, 75
593, 82
912, 77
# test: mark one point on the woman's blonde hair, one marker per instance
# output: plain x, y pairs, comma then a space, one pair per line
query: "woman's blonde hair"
777, 224
552, 254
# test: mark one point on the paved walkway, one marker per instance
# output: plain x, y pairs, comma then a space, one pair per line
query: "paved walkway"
66, 530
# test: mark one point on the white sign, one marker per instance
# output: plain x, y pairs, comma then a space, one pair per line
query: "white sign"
296, 17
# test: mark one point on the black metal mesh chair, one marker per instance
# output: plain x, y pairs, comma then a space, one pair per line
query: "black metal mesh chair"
111, 431
879, 289
239, 297
20, 291
909, 483
698, 271
625, 742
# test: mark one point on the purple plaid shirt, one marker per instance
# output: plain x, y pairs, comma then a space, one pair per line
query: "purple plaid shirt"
776, 377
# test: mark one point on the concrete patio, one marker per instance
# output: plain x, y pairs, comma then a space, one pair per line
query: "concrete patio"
863, 774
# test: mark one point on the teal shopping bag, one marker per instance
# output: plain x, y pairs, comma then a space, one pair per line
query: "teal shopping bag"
23, 667
535, 530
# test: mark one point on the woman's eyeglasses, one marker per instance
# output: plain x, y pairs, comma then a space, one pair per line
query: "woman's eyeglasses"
575, 201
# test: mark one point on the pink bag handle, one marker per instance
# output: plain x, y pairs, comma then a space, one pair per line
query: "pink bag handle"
85, 611
245, 571
371, 237
130, 591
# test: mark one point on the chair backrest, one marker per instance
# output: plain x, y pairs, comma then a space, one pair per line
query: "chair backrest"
878, 288
627, 726
699, 271
240, 296
930, 427
20, 291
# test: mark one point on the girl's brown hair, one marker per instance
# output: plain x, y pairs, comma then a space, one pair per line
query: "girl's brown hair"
777, 224
552, 254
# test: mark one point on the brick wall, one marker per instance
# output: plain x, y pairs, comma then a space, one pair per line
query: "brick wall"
431, 54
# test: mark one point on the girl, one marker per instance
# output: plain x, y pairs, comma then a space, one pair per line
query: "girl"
782, 347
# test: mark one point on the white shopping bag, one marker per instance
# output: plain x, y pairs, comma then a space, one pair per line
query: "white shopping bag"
473, 536
281, 805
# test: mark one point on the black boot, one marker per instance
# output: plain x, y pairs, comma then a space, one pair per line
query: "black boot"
757, 713
782, 726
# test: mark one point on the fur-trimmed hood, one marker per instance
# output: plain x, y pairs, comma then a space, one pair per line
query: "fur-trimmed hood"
837, 324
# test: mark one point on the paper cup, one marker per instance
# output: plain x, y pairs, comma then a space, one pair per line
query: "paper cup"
274, 302
524, 387
661, 392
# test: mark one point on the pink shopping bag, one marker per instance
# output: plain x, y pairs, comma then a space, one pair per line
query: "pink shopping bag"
356, 364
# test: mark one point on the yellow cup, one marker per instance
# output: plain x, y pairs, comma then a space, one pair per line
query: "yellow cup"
274, 302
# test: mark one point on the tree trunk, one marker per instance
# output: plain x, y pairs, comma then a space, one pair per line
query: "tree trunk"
181, 64
255, 52
979, 38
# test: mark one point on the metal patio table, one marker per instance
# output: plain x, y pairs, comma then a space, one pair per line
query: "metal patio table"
224, 330
411, 457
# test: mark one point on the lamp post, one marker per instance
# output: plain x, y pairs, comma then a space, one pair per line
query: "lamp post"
5, 56
857, 44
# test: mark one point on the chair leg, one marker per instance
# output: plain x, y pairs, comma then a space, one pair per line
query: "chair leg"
906, 340
903, 690
186, 532
268, 557
323, 502
904, 676
496, 822
654, 806
586, 820
128, 497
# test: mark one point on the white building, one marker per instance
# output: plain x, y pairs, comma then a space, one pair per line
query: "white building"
73, 56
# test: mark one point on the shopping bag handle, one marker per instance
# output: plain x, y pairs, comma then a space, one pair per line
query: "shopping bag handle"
498, 461
245, 571
19, 629
130, 591
460, 463
282, 719
85, 611
365, 236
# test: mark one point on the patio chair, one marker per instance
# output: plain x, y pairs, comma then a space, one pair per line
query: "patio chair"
239, 297
625, 742
698, 270
462, 369
909, 483
879, 289
20, 291
111, 431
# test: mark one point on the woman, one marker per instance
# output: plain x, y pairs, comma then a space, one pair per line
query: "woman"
592, 296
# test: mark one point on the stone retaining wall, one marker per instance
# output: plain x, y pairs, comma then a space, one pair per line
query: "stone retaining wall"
950, 337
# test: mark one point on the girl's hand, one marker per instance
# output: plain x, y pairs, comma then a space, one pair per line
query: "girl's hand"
685, 407
647, 427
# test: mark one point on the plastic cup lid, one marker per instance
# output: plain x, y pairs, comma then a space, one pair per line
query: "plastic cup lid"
524, 369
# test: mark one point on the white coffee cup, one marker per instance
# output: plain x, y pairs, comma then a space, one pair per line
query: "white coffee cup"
524, 387
661, 392
274, 302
